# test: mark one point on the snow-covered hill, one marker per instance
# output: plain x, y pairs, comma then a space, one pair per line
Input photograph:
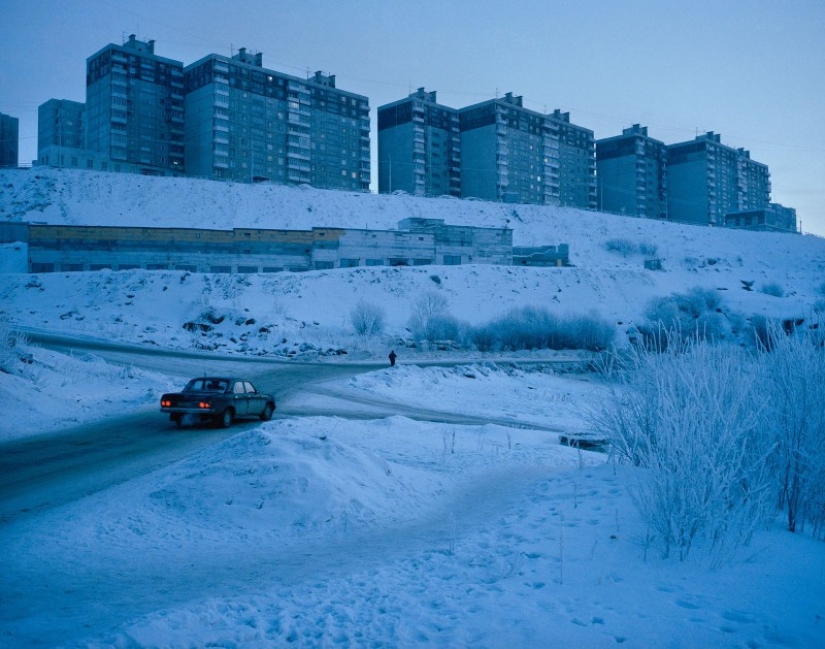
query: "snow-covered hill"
322, 531
608, 253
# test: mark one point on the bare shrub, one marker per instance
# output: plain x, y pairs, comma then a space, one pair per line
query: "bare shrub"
11, 342
648, 249
428, 308
695, 313
773, 289
795, 374
624, 247
536, 328
367, 319
691, 419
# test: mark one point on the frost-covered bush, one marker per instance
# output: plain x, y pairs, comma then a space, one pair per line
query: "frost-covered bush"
624, 247
10, 344
428, 308
794, 379
648, 249
698, 312
536, 328
367, 319
691, 419
773, 289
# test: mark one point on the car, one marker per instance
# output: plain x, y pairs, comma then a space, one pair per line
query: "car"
218, 400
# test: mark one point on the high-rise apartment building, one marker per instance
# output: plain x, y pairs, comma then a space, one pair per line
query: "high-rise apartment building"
495, 150
247, 123
508, 153
419, 147
708, 180
577, 162
134, 107
59, 132
9, 140
632, 174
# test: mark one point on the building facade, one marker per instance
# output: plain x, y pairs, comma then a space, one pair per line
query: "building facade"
774, 217
419, 147
9, 140
250, 124
708, 180
508, 153
632, 174
496, 150
577, 162
134, 107
417, 242
60, 132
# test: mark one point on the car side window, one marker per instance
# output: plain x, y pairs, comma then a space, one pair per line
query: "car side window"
238, 389
249, 387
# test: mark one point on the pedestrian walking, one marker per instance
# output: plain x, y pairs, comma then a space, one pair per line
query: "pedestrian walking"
393, 356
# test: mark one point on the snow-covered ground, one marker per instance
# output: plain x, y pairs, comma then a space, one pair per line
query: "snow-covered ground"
328, 532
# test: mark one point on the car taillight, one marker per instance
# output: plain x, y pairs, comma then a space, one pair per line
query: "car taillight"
166, 403
205, 404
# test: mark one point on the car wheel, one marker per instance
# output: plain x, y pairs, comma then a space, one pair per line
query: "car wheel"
266, 415
225, 420
177, 419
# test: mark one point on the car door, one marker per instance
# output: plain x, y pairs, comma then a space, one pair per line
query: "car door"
256, 399
240, 399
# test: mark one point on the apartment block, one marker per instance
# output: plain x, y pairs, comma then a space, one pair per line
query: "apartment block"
708, 180
9, 140
419, 147
508, 153
495, 150
60, 132
251, 124
774, 217
134, 107
632, 174
577, 161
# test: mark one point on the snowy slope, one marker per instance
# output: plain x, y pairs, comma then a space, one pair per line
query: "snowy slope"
611, 283
319, 531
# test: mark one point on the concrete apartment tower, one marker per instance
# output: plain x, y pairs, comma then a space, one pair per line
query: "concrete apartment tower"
632, 174
708, 180
419, 147
577, 162
134, 108
9, 140
250, 124
508, 153
60, 132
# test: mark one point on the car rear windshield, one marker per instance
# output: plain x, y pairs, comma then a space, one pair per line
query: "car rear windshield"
207, 385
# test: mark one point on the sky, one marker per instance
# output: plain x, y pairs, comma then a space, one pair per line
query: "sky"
751, 71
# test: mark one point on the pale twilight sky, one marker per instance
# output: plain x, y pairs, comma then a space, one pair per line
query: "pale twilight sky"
751, 70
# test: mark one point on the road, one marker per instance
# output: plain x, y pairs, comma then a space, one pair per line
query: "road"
54, 469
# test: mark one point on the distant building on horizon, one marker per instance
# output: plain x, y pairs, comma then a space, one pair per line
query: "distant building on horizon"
9, 140
419, 147
774, 218
60, 133
134, 107
708, 180
250, 124
632, 174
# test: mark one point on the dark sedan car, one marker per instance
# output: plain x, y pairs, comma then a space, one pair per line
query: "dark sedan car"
218, 400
